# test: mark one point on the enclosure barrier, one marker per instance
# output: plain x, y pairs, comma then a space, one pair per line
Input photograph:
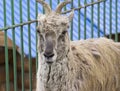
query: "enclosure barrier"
29, 22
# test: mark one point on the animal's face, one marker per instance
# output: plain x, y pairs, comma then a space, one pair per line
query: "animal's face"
53, 39
53, 36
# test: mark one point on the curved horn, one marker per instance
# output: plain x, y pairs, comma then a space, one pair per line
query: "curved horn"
45, 5
61, 5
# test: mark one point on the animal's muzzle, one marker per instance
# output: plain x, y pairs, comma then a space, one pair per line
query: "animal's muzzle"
48, 54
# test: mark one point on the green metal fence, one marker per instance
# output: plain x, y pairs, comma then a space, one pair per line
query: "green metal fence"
6, 28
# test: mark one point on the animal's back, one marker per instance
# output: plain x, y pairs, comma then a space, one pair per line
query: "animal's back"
97, 65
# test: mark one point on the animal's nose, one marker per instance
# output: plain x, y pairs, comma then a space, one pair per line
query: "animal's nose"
49, 50
48, 54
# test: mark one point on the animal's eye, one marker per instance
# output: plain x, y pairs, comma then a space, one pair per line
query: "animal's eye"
62, 36
40, 34
64, 32
38, 31
41, 37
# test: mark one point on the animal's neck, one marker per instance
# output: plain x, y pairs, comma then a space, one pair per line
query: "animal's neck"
55, 70
56, 75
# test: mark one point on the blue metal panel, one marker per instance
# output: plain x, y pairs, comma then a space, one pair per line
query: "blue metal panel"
54, 4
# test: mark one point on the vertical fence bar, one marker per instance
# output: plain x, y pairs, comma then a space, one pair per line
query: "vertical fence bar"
110, 35
14, 47
64, 7
104, 17
58, 1
36, 10
98, 19
85, 20
71, 31
116, 19
6, 62
51, 4
6, 49
29, 41
79, 23
43, 10
92, 31
22, 48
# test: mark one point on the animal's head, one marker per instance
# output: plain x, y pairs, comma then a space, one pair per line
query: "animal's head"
53, 39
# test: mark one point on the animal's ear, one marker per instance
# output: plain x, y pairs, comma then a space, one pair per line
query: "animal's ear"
39, 16
71, 15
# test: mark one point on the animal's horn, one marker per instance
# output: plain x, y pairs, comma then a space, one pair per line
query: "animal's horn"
61, 5
45, 5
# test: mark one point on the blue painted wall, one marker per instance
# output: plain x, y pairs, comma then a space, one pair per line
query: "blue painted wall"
54, 4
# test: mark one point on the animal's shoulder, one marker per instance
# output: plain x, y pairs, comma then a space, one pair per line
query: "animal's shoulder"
91, 44
95, 48
98, 41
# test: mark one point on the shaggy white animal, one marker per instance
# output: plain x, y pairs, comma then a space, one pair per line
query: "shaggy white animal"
85, 65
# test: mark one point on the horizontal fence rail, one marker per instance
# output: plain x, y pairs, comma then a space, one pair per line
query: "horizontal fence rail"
67, 11
85, 5
17, 25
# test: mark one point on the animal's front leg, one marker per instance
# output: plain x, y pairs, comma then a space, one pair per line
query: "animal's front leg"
39, 86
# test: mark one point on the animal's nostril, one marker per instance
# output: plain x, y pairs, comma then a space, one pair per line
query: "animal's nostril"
48, 55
